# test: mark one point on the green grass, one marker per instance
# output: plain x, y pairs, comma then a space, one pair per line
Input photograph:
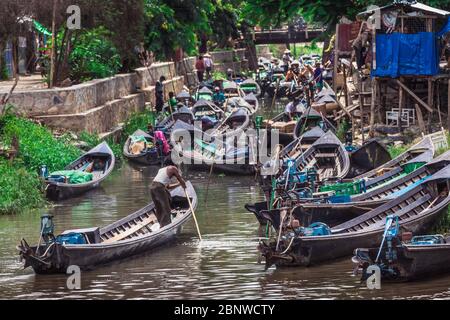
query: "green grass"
19, 189
20, 186
37, 145
139, 120
395, 151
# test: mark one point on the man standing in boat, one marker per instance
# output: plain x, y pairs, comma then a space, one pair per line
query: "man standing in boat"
159, 191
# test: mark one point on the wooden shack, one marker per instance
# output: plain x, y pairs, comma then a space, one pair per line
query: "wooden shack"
405, 80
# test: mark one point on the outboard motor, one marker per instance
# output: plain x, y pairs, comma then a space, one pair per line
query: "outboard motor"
47, 228
43, 172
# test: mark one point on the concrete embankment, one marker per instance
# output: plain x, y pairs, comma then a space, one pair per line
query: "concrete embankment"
101, 106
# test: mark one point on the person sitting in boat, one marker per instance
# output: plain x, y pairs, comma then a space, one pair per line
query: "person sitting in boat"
291, 108
159, 191
97, 165
218, 97
172, 102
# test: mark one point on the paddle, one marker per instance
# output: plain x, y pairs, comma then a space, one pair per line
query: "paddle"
193, 213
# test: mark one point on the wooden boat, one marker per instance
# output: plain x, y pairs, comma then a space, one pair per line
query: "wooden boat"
376, 193
207, 108
372, 154
63, 190
204, 93
327, 156
126, 237
235, 103
250, 86
150, 156
424, 146
183, 114
420, 257
234, 124
218, 154
418, 210
285, 125
252, 100
185, 98
310, 119
232, 90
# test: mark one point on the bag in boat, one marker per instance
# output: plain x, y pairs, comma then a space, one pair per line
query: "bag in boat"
71, 238
71, 176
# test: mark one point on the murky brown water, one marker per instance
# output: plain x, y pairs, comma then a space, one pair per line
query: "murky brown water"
224, 267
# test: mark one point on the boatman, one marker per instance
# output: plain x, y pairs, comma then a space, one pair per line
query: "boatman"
159, 191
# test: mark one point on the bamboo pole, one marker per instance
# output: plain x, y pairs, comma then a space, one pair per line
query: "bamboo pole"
193, 214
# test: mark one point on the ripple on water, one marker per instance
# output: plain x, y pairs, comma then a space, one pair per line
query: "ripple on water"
223, 266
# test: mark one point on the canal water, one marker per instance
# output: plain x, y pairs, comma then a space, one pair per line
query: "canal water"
224, 266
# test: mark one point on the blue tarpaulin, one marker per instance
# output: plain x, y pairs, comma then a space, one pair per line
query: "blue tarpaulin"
400, 54
445, 29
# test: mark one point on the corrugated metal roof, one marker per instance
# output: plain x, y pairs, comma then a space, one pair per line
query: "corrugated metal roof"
416, 5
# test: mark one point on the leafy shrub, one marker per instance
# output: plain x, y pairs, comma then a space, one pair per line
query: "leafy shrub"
396, 151
19, 189
37, 146
94, 56
137, 121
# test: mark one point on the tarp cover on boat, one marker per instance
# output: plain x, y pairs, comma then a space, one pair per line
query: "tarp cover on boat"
406, 54
74, 176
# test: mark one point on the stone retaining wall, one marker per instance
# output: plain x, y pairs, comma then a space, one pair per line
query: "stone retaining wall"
98, 105
101, 105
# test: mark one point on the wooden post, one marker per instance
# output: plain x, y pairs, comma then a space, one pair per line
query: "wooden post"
401, 99
345, 86
448, 105
52, 57
372, 107
430, 102
361, 108
336, 58
420, 119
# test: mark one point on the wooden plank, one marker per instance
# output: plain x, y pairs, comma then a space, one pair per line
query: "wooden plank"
132, 230
448, 105
412, 94
401, 100
420, 119
372, 108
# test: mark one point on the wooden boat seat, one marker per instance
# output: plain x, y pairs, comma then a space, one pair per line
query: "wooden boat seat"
325, 155
128, 232
380, 212
380, 178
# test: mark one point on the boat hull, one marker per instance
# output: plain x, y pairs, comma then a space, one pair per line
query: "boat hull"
315, 250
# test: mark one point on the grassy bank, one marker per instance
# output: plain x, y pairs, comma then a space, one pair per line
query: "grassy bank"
137, 121
21, 187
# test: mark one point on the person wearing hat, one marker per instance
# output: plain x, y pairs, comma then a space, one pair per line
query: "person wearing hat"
208, 65
287, 59
218, 97
294, 71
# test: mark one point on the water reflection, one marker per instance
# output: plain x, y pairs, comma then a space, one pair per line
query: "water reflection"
224, 266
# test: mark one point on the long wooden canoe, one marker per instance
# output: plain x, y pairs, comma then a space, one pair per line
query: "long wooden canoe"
149, 157
127, 237
418, 211
64, 190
